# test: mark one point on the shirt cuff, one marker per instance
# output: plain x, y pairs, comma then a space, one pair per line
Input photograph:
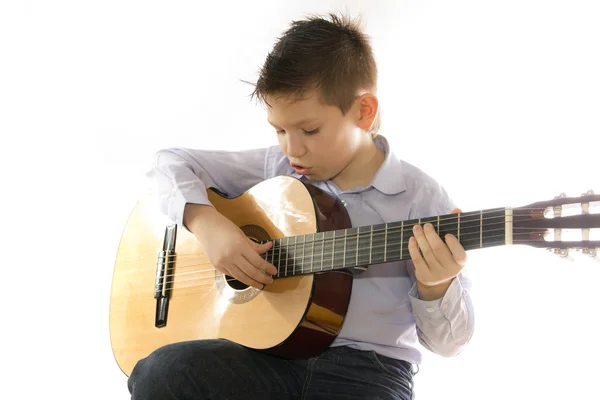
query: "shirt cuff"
181, 198
439, 308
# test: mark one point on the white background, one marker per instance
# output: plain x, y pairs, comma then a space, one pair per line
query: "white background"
499, 100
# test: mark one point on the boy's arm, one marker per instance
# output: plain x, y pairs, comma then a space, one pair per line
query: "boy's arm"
182, 176
445, 324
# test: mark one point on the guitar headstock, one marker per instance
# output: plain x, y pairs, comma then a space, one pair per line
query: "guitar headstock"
561, 224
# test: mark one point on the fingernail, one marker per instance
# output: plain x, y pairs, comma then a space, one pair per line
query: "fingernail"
416, 228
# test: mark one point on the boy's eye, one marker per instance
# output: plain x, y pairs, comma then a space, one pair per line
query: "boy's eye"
281, 131
311, 132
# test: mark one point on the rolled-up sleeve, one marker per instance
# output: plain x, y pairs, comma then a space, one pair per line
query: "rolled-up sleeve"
180, 176
445, 326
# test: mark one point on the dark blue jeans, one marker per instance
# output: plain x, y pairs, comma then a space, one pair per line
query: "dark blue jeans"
220, 369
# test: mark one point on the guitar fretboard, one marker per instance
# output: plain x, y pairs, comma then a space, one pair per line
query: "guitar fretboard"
381, 243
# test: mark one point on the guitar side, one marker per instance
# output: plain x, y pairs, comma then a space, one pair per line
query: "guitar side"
331, 291
294, 317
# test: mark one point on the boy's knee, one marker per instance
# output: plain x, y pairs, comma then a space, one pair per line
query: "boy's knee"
168, 369
156, 372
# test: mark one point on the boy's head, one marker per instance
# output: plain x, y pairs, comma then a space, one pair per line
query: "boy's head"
319, 84
329, 57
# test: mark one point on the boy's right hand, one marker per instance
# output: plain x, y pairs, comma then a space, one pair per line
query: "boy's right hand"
227, 248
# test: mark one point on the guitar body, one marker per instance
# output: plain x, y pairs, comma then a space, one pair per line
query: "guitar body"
294, 317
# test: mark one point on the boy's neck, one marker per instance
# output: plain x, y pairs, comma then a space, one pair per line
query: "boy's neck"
362, 168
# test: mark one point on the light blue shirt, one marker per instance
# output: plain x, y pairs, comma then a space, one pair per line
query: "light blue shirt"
385, 313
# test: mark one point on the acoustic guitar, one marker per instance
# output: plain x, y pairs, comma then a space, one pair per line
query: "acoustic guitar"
165, 289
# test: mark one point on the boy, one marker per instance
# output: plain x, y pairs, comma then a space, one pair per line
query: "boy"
319, 85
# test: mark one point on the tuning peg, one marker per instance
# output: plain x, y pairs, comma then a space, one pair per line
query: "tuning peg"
564, 253
590, 252
588, 193
561, 196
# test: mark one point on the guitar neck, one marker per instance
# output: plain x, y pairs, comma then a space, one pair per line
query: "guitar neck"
382, 243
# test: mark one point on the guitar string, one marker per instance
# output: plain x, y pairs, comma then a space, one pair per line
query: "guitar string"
392, 229
271, 254
479, 216
375, 234
310, 270
328, 242
405, 225
210, 281
476, 218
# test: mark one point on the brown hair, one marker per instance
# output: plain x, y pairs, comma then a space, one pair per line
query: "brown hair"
332, 56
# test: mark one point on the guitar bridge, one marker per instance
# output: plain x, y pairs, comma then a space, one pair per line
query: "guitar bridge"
164, 280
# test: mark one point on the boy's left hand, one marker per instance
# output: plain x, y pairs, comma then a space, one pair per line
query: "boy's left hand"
440, 262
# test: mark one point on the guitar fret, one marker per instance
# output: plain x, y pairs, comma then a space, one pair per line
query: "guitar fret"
303, 247
294, 256
481, 228
279, 257
401, 238
458, 227
438, 224
283, 254
272, 250
312, 256
333, 250
508, 226
371, 247
322, 250
470, 224
385, 243
357, 246
287, 254
344, 256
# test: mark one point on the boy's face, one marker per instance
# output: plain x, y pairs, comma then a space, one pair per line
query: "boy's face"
318, 139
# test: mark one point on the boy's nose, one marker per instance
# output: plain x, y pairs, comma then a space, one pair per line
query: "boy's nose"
295, 146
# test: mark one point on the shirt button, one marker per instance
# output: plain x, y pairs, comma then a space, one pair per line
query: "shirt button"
429, 309
444, 306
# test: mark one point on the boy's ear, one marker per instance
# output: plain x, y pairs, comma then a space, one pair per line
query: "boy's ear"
368, 106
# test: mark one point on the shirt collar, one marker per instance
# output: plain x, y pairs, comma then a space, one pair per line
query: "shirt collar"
389, 178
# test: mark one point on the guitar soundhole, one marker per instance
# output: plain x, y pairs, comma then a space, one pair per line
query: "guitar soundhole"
255, 233
235, 284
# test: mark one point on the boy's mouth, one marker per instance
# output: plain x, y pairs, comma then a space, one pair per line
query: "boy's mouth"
301, 170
